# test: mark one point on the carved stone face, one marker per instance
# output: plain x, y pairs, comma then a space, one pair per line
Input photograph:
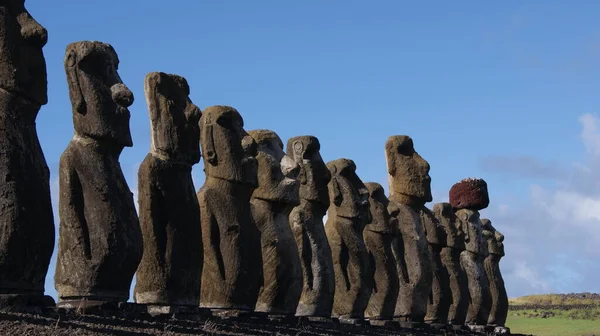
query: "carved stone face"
383, 212
455, 237
472, 227
314, 175
277, 172
494, 238
408, 171
174, 118
229, 152
22, 63
98, 95
348, 192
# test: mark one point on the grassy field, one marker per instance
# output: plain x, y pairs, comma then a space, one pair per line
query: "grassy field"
555, 315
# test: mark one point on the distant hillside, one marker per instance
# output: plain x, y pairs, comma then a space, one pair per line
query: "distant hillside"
556, 314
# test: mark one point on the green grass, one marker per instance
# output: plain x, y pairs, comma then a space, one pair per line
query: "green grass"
555, 326
555, 314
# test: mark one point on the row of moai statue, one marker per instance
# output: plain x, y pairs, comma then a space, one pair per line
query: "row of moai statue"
252, 239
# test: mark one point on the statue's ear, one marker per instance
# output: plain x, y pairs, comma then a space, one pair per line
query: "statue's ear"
210, 153
390, 159
75, 93
337, 193
463, 218
298, 149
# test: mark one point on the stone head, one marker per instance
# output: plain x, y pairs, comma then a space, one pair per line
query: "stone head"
229, 152
314, 175
277, 172
495, 239
453, 228
383, 212
470, 193
470, 221
408, 171
174, 118
98, 96
22, 63
347, 192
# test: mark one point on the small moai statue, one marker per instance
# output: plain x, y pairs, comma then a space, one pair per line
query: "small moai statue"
26, 217
499, 298
347, 217
379, 236
440, 297
171, 267
232, 271
306, 219
100, 240
467, 197
410, 189
450, 256
271, 204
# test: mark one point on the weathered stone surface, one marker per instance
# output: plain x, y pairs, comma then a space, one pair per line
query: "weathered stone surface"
379, 236
307, 225
450, 257
440, 297
232, 273
499, 298
271, 203
27, 223
470, 193
346, 219
171, 266
100, 244
410, 189
472, 263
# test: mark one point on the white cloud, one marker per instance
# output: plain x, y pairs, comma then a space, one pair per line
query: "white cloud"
552, 240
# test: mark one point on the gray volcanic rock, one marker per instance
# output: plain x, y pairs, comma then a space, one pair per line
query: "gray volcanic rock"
271, 202
347, 216
379, 236
27, 222
171, 267
232, 273
410, 189
100, 244
306, 220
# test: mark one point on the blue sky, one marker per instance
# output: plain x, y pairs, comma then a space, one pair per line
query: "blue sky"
506, 91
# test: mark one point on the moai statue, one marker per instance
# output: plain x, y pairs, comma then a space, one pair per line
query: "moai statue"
271, 203
499, 298
232, 272
346, 219
467, 197
100, 240
171, 267
410, 189
440, 297
379, 236
306, 220
27, 222
450, 256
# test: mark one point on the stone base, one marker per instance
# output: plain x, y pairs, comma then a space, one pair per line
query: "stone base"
353, 321
26, 302
412, 325
477, 328
437, 326
227, 314
501, 331
384, 323
325, 322
87, 306
282, 318
458, 327
175, 311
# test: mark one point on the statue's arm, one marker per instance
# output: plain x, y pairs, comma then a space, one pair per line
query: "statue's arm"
71, 207
398, 252
211, 234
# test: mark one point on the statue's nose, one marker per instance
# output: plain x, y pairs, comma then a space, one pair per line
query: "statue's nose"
32, 31
122, 95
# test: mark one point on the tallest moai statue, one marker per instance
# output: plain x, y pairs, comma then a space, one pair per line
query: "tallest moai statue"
26, 219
